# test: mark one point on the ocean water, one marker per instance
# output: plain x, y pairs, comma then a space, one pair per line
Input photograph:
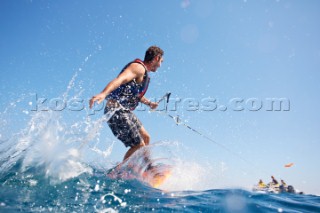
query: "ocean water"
53, 163
43, 169
32, 190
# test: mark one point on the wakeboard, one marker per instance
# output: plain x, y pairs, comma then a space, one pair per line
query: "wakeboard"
153, 173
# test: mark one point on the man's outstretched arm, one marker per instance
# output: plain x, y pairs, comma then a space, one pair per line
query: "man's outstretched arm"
132, 72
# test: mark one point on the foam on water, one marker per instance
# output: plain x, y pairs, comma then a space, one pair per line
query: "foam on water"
188, 175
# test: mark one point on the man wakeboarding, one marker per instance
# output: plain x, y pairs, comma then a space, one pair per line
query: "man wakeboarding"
123, 95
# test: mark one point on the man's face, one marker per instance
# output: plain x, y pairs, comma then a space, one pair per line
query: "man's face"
156, 63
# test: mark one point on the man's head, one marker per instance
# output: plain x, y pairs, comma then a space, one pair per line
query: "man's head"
153, 58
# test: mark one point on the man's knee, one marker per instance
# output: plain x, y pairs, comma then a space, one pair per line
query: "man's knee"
138, 146
146, 138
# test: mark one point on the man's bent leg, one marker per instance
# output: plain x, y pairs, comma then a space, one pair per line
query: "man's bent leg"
132, 150
145, 135
146, 139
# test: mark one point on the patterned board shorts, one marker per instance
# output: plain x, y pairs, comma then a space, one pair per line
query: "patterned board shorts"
125, 126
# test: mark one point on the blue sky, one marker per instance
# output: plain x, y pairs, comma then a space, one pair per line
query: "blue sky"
213, 49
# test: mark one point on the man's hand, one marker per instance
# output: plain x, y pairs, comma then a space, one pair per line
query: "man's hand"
99, 98
153, 105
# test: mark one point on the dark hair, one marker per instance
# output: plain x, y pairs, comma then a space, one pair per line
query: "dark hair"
152, 52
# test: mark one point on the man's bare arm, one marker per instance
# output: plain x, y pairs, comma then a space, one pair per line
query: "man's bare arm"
132, 72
